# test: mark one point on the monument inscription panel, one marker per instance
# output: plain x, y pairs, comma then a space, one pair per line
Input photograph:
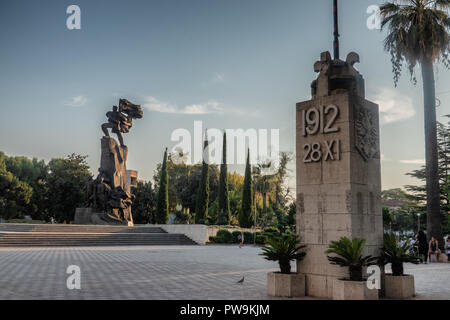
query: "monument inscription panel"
316, 121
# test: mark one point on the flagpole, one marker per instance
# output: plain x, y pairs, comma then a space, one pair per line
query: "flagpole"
336, 30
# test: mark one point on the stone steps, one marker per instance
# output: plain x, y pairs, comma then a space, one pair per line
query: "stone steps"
73, 235
77, 229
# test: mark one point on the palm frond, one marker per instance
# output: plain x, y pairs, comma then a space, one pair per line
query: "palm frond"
418, 31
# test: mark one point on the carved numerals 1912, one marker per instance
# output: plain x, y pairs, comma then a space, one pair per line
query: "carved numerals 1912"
321, 120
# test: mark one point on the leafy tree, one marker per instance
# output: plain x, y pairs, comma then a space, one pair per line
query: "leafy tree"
418, 193
224, 201
65, 182
201, 209
292, 214
187, 186
282, 191
162, 204
184, 182
144, 205
15, 194
264, 181
246, 215
418, 33
213, 213
399, 210
387, 218
175, 171
34, 173
235, 185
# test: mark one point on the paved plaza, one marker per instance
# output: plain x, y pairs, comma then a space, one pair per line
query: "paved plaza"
175, 272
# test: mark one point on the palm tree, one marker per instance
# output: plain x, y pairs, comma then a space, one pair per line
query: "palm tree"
418, 33
264, 180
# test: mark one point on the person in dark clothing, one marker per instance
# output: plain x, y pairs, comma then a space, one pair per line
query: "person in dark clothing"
434, 249
423, 246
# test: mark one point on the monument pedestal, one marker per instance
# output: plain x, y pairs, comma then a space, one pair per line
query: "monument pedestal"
88, 216
338, 171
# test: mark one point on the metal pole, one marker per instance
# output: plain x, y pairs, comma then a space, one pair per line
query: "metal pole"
254, 218
336, 30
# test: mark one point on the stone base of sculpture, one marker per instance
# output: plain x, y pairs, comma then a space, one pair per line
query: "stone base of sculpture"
88, 216
107, 196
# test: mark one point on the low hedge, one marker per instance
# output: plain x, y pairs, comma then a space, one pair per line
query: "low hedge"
225, 236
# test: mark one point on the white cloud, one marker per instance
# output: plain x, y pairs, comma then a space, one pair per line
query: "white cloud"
218, 78
77, 101
209, 107
394, 106
414, 161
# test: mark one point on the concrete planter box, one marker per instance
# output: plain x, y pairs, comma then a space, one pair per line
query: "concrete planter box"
285, 285
353, 290
400, 287
443, 257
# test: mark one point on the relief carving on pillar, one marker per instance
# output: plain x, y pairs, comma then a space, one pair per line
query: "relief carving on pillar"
366, 133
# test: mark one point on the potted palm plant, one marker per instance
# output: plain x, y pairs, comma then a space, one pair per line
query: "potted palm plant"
398, 285
348, 253
284, 249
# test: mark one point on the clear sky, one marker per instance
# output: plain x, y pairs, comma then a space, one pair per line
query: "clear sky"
230, 63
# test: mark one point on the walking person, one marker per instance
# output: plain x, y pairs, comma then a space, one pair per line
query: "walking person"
423, 246
241, 240
433, 249
413, 243
447, 247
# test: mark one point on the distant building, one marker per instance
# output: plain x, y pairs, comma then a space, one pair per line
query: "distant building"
132, 178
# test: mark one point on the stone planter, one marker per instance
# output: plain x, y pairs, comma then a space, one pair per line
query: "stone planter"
285, 285
400, 287
443, 257
353, 290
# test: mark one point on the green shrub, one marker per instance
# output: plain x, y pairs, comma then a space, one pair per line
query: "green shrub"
272, 230
248, 237
284, 250
396, 254
224, 236
212, 239
348, 253
260, 238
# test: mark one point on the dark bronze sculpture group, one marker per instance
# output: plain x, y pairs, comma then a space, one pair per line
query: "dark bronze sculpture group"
109, 195
120, 120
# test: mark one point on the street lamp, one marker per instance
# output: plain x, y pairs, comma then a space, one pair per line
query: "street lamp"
418, 222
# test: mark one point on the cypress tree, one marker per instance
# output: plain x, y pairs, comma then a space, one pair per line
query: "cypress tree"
224, 202
246, 213
162, 204
201, 210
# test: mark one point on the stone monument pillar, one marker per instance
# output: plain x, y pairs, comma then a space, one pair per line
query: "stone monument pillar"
338, 170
